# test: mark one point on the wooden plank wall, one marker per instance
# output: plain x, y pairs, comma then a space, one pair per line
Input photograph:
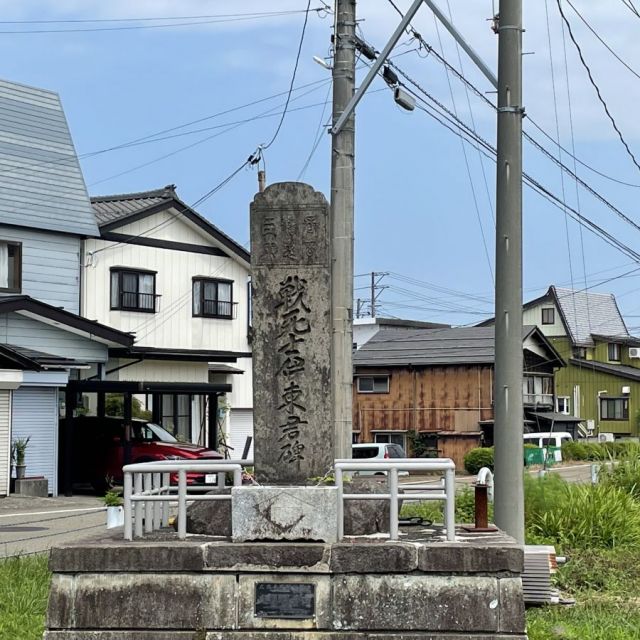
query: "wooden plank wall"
450, 398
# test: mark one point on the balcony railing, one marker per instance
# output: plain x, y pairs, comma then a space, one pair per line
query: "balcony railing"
134, 301
538, 398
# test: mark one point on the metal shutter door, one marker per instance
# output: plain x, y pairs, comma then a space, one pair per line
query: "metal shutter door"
5, 440
35, 415
240, 427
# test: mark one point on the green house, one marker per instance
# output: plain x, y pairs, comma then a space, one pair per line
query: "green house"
600, 383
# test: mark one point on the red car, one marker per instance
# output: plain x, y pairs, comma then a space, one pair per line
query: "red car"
99, 450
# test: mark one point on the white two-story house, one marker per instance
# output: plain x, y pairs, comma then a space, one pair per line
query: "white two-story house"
180, 286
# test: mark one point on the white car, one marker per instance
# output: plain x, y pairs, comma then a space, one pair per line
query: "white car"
379, 451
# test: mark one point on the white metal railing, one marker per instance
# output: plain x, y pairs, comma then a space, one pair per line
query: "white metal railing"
148, 492
444, 490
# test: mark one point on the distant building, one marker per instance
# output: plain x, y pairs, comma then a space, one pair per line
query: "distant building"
436, 385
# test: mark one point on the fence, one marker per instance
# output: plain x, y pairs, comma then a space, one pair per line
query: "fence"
149, 491
445, 490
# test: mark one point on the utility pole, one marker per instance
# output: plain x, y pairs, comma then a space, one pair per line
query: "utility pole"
342, 198
509, 465
376, 289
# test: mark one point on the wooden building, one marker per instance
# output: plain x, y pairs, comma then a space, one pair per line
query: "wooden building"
433, 388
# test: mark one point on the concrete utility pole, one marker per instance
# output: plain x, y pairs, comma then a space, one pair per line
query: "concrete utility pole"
509, 465
342, 196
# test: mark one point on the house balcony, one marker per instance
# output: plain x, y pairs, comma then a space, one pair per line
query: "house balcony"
538, 400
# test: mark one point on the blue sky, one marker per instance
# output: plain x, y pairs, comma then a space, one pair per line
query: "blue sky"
415, 211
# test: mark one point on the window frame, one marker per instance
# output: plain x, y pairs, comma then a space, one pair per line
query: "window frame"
567, 403
385, 437
604, 400
553, 315
617, 352
18, 269
121, 272
387, 377
203, 280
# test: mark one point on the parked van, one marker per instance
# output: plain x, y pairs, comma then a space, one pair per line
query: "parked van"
551, 441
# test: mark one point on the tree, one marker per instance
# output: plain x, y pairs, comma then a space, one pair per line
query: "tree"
114, 406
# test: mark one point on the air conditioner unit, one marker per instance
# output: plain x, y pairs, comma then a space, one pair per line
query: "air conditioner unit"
634, 352
605, 437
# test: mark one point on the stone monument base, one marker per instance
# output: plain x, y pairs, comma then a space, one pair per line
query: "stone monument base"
363, 588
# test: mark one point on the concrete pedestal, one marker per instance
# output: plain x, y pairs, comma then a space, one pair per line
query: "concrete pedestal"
419, 588
35, 487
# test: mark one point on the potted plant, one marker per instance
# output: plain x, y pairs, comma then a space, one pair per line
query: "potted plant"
115, 513
18, 450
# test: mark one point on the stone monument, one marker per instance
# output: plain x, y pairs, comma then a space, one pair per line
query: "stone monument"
291, 323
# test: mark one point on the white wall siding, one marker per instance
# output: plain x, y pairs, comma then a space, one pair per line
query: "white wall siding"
5, 440
534, 316
27, 332
35, 415
50, 266
242, 395
173, 326
159, 371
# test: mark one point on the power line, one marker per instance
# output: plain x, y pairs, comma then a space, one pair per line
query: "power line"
629, 4
293, 76
224, 18
466, 162
602, 41
595, 86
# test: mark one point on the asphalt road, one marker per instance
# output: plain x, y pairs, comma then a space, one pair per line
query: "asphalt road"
33, 525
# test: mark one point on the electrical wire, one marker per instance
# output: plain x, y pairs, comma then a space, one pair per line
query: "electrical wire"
602, 41
223, 19
466, 162
595, 86
293, 77
557, 123
629, 4
318, 136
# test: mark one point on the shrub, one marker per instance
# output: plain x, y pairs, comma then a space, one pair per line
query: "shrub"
574, 451
477, 458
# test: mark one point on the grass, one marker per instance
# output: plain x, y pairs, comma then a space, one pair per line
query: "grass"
24, 587
606, 586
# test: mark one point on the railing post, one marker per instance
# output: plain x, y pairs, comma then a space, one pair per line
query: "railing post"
237, 476
450, 504
393, 506
182, 504
340, 487
137, 490
221, 480
157, 506
148, 504
128, 524
166, 482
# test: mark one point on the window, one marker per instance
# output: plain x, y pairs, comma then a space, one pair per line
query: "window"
373, 384
614, 408
614, 352
562, 405
212, 298
580, 352
176, 415
10, 266
133, 290
548, 316
537, 390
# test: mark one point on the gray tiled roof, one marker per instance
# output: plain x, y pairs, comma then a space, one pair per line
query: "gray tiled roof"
108, 209
587, 313
41, 184
457, 345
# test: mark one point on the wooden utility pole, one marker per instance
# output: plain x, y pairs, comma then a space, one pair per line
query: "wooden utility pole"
508, 428
342, 197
